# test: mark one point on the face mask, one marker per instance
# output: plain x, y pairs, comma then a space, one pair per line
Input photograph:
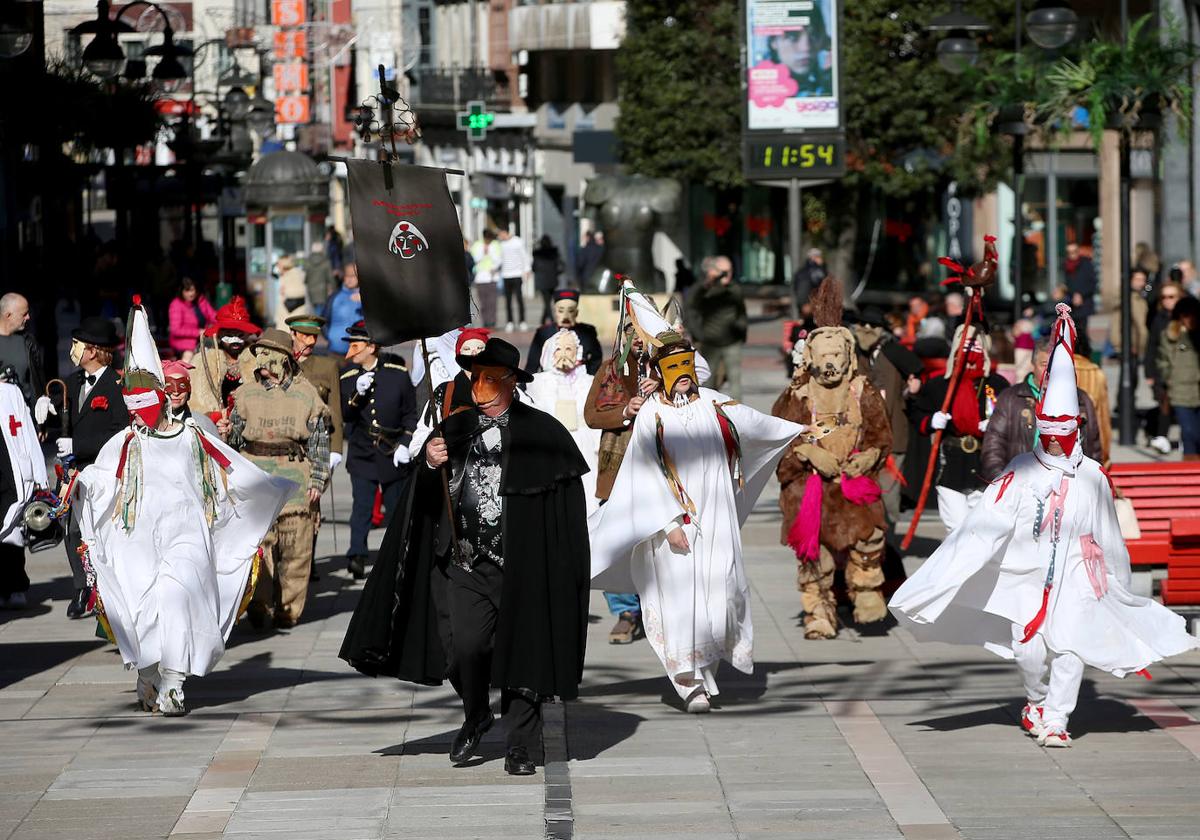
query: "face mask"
676, 366
233, 344
145, 405
566, 312
178, 391
565, 354
1067, 442
471, 347
488, 382
273, 362
77, 348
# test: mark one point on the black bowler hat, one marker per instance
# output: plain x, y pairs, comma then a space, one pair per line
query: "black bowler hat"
871, 316
497, 353
98, 332
358, 332
566, 294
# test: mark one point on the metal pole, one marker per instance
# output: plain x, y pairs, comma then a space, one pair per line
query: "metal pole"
794, 228
1125, 404
1052, 222
1018, 251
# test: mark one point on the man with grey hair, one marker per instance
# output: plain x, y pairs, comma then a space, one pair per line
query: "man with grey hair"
1012, 428
716, 319
807, 278
18, 349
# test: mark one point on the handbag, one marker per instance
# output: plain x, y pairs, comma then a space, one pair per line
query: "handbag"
1127, 519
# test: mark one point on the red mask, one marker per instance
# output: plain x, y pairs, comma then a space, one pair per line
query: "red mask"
1067, 442
147, 405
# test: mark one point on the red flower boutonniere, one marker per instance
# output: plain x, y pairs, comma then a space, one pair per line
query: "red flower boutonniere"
99, 403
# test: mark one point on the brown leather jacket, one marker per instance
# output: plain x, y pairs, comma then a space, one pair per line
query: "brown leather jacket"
1012, 427
606, 402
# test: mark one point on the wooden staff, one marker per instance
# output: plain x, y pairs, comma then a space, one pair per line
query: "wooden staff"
958, 363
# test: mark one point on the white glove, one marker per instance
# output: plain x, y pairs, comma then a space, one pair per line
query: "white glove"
983, 425
402, 455
364, 382
939, 420
335, 458
65, 447
42, 409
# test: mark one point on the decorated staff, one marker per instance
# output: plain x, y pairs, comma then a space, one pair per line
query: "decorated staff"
975, 279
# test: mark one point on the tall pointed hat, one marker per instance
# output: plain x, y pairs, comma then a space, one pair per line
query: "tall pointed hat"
143, 381
1058, 413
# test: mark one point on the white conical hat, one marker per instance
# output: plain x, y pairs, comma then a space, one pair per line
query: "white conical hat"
1060, 392
647, 320
141, 352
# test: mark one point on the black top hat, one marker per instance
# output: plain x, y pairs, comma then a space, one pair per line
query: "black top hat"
358, 332
497, 353
98, 332
566, 294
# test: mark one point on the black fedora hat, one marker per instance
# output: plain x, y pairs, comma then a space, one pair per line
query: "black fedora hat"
497, 353
98, 332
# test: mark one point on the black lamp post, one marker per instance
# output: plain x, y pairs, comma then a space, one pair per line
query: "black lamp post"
103, 57
15, 33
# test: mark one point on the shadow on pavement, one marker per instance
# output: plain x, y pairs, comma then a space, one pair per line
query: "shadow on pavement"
19, 660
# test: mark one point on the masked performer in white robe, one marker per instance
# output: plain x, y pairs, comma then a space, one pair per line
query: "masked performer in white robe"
561, 389
1038, 571
671, 530
172, 519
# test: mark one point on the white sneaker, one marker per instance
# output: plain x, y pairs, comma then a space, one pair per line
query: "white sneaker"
170, 703
508, 327
1031, 720
698, 703
16, 601
524, 326
1054, 738
1161, 444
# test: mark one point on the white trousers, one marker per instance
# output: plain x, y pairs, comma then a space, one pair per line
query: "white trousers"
1051, 679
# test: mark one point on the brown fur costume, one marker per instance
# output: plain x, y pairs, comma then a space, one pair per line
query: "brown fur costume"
849, 433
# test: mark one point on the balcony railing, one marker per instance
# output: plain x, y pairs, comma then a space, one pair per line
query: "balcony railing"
457, 86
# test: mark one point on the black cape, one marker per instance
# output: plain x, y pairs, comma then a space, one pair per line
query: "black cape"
400, 627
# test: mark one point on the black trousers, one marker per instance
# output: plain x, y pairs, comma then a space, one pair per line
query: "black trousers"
362, 503
12, 570
547, 306
472, 603
512, 291
74, 538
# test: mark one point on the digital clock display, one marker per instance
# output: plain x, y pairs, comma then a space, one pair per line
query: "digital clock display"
795, 156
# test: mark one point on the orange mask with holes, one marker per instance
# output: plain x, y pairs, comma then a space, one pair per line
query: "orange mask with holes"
489, 381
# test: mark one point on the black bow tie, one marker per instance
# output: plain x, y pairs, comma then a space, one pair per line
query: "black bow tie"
486, 422
90, 378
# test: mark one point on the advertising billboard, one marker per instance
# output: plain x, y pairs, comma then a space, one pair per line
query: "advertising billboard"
792, 68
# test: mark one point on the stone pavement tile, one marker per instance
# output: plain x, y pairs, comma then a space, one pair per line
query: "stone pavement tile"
142, 817
324, 772
467, 795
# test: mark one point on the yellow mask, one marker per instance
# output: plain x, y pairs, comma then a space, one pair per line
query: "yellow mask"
675, 366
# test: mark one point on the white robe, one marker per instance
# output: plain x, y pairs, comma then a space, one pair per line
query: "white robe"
28, 464
695, 606
990, 572
171, 587
564, 396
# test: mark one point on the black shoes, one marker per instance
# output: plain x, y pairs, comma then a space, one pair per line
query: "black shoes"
78, 608
518, 763
357, 564
463, 747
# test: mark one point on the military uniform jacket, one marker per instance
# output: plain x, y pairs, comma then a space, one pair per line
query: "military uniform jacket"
277, 428
101, 416
378, 421
323, 373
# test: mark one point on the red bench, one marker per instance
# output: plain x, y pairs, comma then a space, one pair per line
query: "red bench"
1166, 499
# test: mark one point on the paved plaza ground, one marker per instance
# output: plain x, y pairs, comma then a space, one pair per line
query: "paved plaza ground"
862, 738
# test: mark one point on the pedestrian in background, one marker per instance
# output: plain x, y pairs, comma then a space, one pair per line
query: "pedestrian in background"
486, 253
514, 268
1146, 261
187, 317
807, 278
1080, 274
19, 349
1093, 383
319, 281
343, 310
717, 318
1179, 369
292, 291
1139, 319
547, 268
590, 258
1158, 421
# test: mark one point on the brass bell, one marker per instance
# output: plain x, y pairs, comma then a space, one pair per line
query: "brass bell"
37, 516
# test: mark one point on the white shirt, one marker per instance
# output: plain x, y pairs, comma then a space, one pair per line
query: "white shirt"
86, 387
514, 261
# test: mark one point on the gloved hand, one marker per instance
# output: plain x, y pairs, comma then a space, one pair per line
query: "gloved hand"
335, 458
401, 455
364, 382
860, 462
42, 409
983, 424
65, 447
821, 460
939, 420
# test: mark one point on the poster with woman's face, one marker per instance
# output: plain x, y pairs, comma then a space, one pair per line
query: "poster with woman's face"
792, 74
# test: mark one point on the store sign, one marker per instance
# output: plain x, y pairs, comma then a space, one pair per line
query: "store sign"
793, 68
289, 12
290, 44
803, 156
291, 78
956, 212
291, 109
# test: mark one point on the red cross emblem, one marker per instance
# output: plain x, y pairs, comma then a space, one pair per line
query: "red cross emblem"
13, 425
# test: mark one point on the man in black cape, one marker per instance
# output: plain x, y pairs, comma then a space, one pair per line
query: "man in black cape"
496, 594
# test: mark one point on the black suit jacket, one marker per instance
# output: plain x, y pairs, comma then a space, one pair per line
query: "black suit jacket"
91, 427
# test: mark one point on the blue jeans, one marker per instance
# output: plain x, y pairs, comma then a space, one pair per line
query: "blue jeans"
1188, 419
363, 494
619, 602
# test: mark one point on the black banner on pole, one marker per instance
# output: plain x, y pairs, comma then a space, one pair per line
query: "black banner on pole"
409, 250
